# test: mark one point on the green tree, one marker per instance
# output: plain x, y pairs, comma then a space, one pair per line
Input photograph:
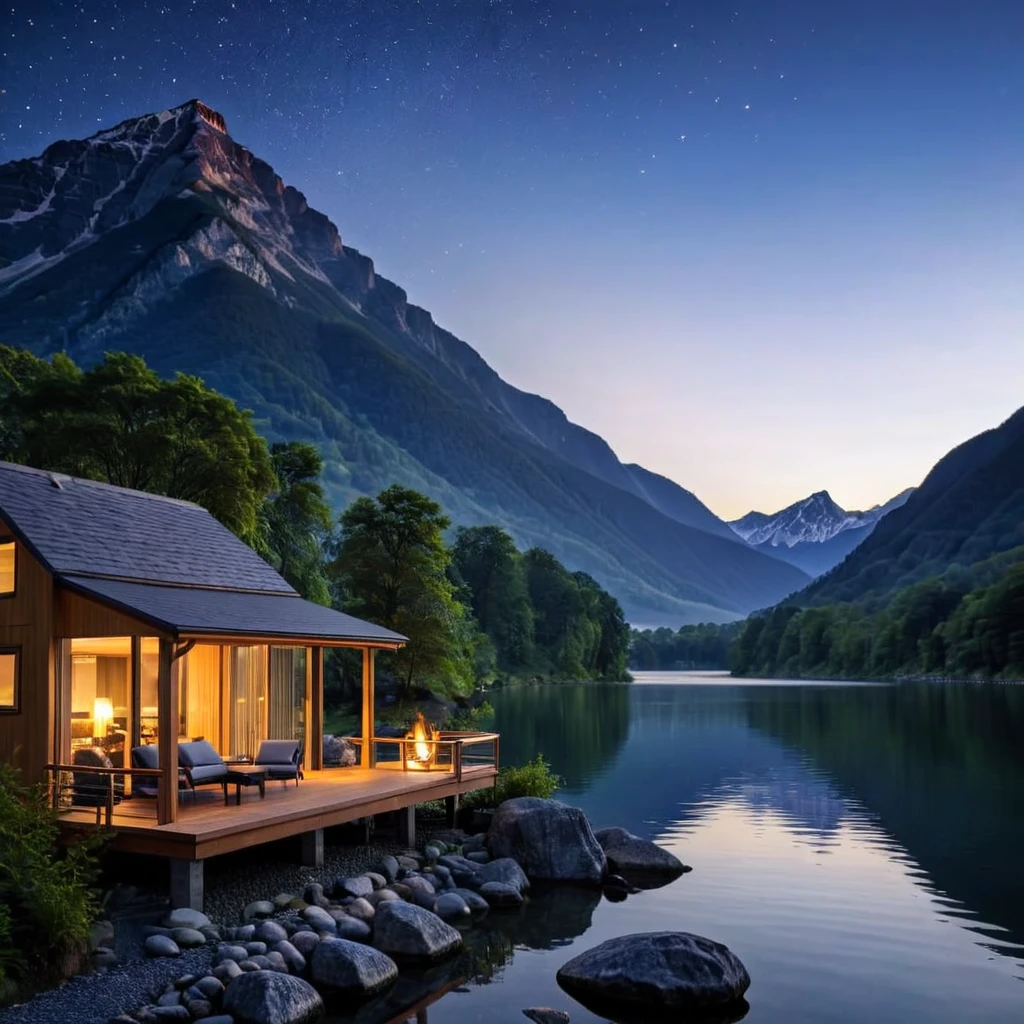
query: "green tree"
298, 520
487, 562
121, 423
392, 568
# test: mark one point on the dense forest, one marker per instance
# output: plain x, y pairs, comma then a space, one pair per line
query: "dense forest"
475, 609
963, 623
690, 648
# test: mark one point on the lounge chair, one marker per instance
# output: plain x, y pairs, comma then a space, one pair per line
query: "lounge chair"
148, 756
282, 759
203, 766
89, 790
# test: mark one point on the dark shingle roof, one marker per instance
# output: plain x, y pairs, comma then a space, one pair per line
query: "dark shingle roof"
185, 611
167, 562
85, 527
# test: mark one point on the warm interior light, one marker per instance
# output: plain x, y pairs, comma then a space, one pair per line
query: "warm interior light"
102, 715
421, 751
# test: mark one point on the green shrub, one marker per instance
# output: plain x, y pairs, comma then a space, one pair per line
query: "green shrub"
46, 903
535, 778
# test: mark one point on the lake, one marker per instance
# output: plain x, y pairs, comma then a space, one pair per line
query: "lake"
857, 846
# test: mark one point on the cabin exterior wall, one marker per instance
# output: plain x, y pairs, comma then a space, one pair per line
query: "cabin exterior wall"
26, 624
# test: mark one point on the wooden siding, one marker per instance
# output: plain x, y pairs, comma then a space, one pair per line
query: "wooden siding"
79, 616
26, 621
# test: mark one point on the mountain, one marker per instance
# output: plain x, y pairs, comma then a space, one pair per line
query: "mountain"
814, 534
969, 508
163, 236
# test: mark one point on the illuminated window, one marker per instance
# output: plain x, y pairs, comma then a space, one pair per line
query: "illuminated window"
9, 678
7, 561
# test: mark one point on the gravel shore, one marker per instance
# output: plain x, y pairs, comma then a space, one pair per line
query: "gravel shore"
231, 882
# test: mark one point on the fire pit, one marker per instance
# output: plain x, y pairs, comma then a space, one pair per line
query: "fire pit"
420, 745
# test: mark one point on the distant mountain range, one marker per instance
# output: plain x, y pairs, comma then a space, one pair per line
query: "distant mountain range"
969, 508
814, 534
162, 236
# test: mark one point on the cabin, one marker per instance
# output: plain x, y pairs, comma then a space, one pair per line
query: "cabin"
166, 684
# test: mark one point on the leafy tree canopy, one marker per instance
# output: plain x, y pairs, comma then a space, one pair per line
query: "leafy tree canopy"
121, 423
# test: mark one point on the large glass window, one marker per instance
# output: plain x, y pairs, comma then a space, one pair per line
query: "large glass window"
8, 559
199, 694
100, 694
9, 688
247, 696
286, 718
149, 709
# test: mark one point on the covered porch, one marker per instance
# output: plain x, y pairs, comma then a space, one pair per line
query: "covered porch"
141, 667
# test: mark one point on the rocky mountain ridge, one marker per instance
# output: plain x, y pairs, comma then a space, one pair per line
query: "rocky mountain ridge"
165, 237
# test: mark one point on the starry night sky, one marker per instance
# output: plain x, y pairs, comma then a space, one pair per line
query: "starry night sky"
763, 247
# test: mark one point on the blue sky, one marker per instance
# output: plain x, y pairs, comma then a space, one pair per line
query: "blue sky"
763, 248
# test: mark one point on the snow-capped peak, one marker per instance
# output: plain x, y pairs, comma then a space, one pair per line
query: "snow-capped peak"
813, 520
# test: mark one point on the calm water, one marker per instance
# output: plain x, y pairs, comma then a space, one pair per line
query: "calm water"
859, 847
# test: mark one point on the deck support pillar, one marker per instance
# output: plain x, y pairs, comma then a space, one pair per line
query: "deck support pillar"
407, 825
167, 729
451, 809
315, 697
367, 758
186, 884
313, 848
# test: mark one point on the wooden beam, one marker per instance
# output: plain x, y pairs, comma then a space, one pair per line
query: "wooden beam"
167, 734
366, 751
315, 688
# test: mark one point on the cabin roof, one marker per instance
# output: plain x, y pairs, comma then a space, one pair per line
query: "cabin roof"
167, 561
88, 528
189, 611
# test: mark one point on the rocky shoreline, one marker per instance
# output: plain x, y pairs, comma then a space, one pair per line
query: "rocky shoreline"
378, 928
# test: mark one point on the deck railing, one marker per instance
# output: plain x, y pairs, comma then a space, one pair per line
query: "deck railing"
446, 751
81, 788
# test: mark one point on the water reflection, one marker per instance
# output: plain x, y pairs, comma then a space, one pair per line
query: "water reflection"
856, 846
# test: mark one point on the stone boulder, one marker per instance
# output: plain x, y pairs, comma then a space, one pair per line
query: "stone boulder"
499, 894
545, 1015
504, 870
410, 933
188, 938
638, 860
451, 907
266, 997
184, 917
550, 840
359, 885
654, 972
161, 945
350, 968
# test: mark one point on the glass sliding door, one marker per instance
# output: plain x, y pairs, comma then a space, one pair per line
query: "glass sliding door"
96, 696
286, 719
199, 694
247, 699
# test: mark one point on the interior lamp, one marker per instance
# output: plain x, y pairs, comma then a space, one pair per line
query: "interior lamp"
102, 715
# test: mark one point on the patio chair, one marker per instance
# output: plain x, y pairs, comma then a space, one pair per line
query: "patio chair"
148, 756
282, 759
202, 766
88, 790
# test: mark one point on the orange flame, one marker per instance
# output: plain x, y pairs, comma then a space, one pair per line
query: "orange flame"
422, 750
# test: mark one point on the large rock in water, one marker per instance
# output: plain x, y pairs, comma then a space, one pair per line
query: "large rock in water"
657, 971
350, 968
550, 840
411, 933
638, 860
267, 997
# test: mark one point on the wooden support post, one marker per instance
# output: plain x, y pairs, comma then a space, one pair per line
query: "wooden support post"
167, 726
316, 713
313, 848
135, 724
186, 884
366, 755
451, 809
407, 826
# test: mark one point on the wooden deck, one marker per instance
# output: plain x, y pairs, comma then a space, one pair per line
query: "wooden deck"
206, 827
